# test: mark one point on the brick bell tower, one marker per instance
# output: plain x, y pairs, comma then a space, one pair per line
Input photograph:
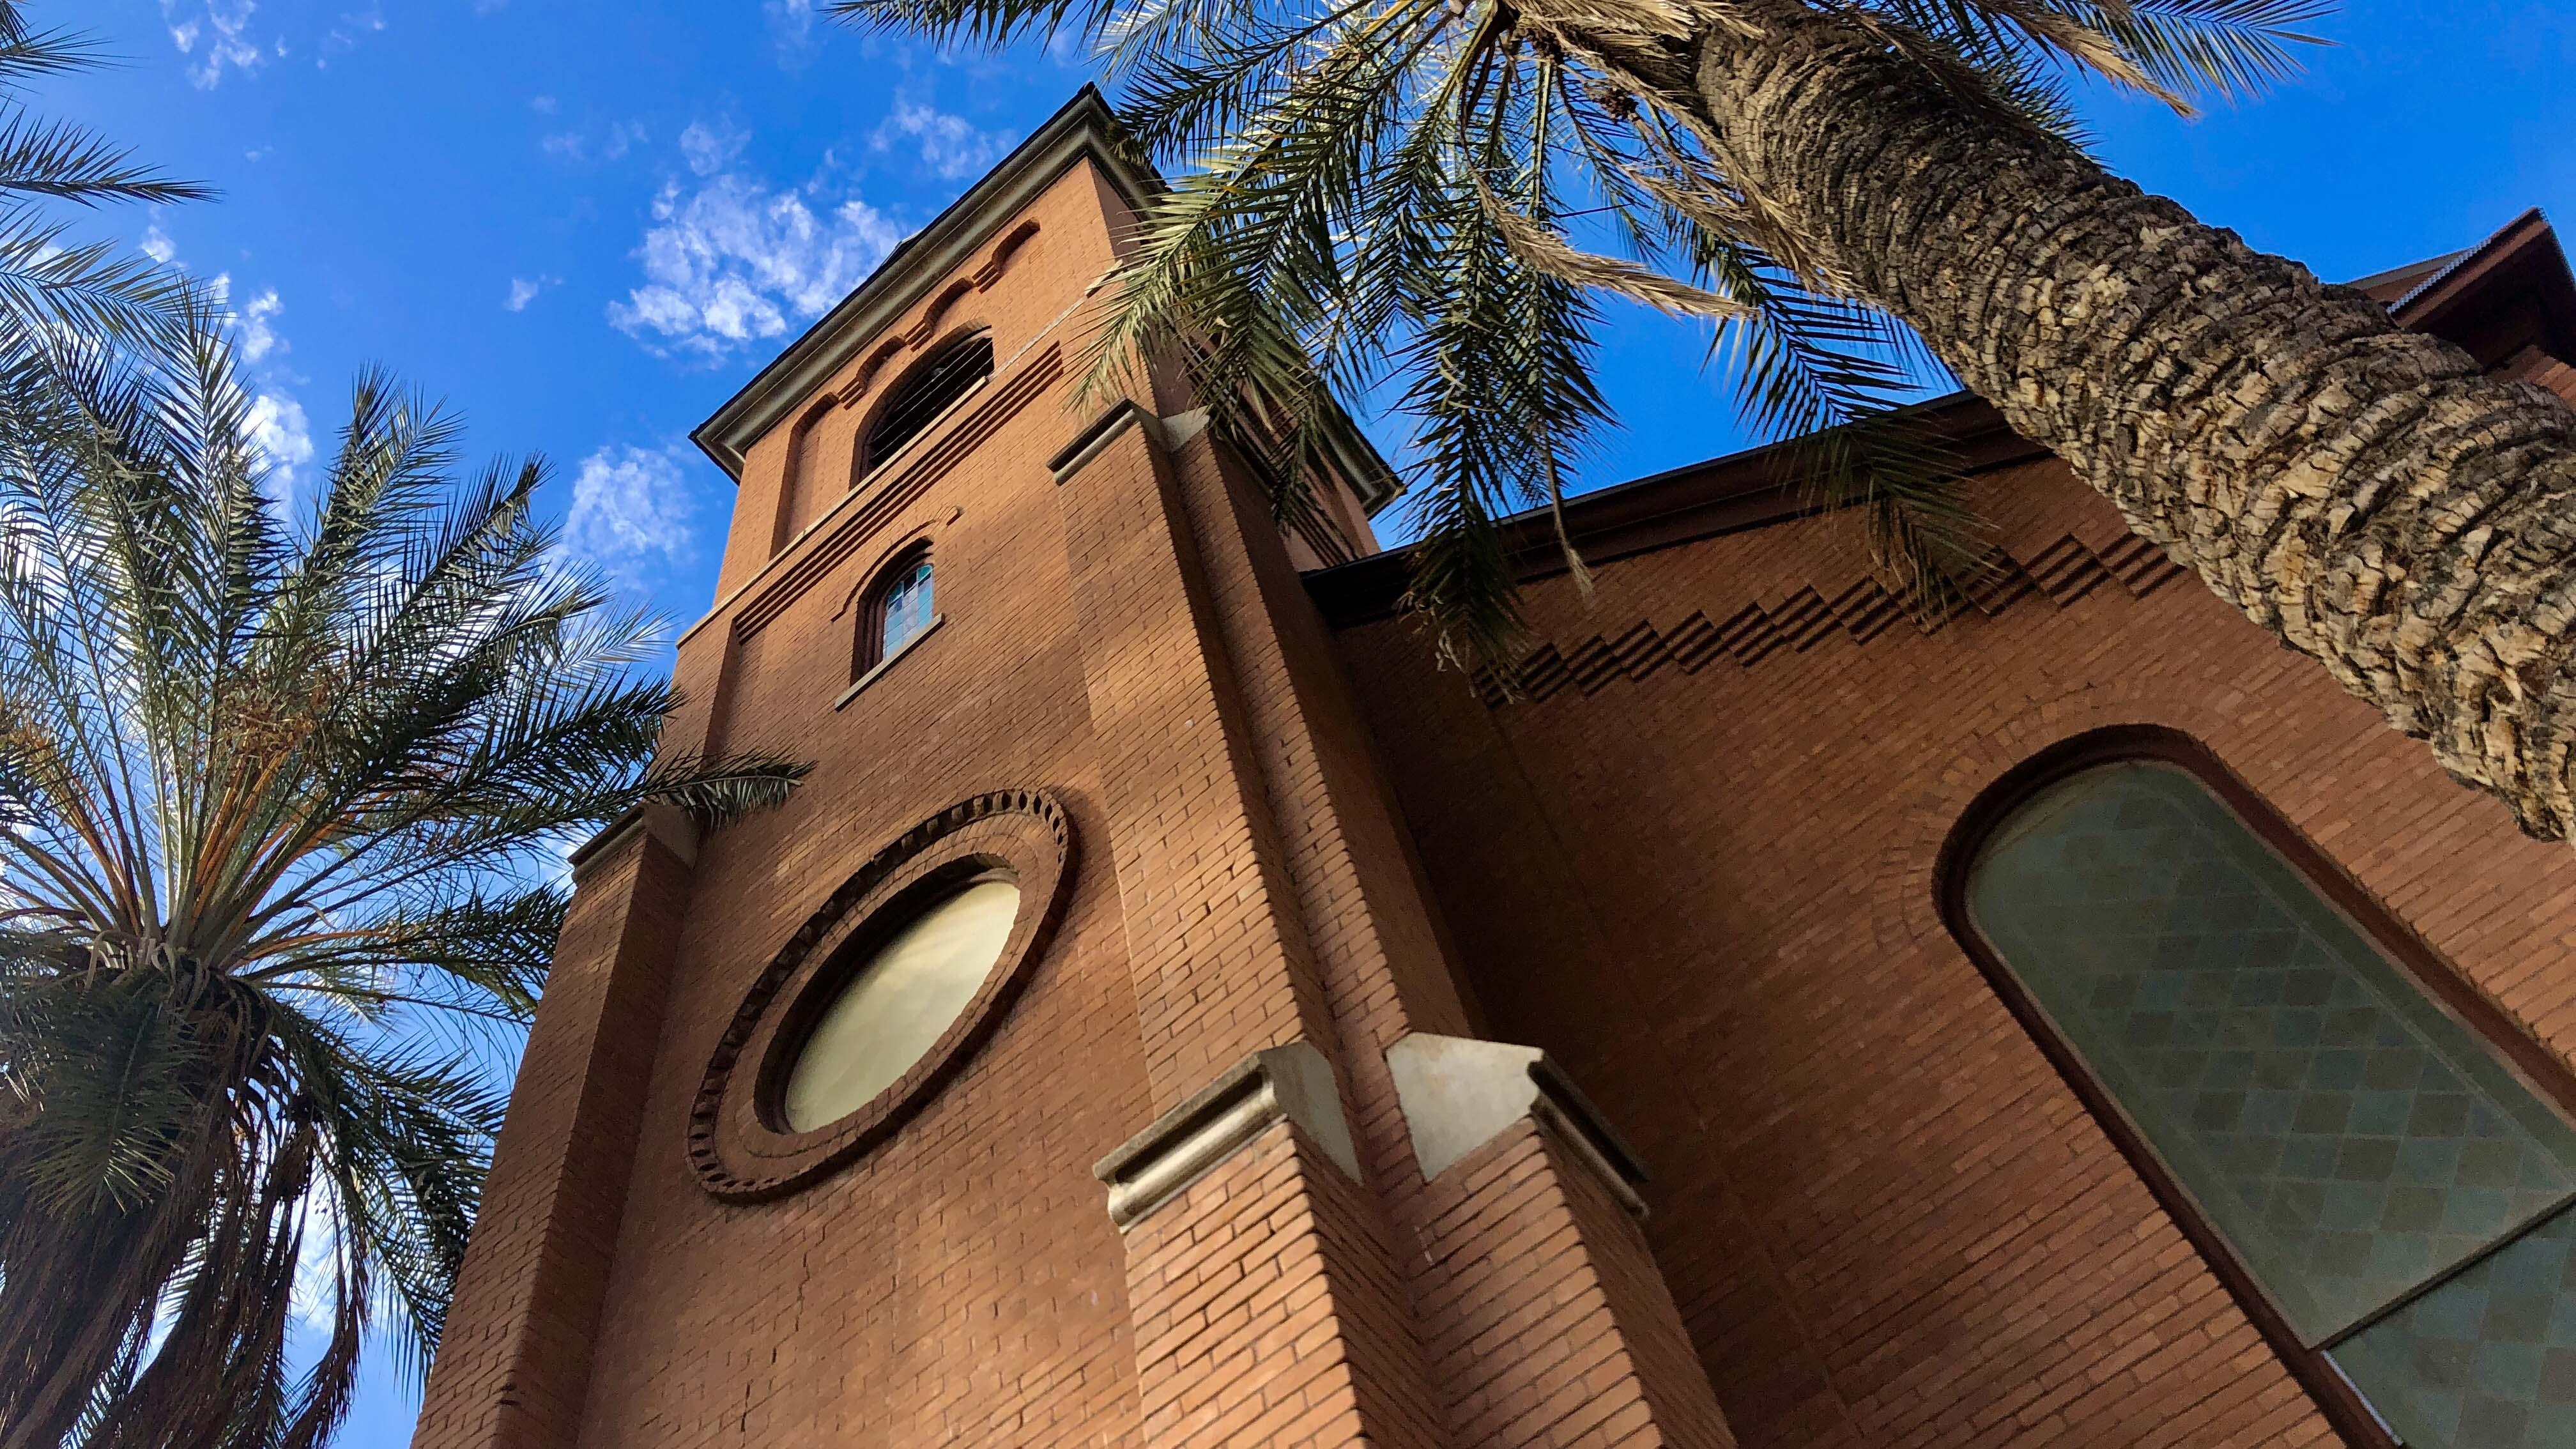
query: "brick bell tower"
1078, 1058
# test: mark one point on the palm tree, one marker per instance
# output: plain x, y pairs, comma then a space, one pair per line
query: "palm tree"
49, 283
276, 797
1404, 191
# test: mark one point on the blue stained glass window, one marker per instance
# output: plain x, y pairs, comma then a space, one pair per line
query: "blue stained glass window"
2372, 1163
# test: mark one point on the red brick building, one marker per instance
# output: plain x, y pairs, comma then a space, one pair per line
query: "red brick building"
1173, 1014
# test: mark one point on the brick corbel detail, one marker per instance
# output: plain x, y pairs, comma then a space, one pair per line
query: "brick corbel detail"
1267, 1304
1291, 1084
1555, 1325
514, 1364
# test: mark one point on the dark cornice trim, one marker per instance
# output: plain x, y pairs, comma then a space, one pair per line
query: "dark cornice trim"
1751, 489
1084, 129
1755, 488
2523, 260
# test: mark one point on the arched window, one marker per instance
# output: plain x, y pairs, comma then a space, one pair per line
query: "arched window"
2389, 1198
898, 611
921, 395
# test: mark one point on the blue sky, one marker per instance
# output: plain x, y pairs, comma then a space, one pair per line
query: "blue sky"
585, 224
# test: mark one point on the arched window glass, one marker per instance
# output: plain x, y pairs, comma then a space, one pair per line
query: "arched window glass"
2396, 1193
936, 382
899, 611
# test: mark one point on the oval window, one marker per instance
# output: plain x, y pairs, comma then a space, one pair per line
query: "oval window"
897, 1005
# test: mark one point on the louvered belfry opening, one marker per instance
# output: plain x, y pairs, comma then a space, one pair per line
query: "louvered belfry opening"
927, 391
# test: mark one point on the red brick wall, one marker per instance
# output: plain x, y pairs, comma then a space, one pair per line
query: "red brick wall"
1554, 1326
517, 1347
1135, 640
1708, 892
961, 1282
1251, 1328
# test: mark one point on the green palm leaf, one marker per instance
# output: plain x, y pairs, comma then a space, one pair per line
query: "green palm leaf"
280, 800
1424, 199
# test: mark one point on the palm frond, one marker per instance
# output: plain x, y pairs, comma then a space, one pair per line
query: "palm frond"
281, 795
1410, 200
66, 162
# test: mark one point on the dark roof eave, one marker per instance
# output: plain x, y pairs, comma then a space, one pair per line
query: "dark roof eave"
2522, 259
1751, 489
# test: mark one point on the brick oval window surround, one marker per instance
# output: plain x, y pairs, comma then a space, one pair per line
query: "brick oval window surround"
787, 1096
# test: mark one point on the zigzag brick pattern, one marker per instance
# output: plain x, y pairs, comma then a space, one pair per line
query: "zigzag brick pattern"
2062, 573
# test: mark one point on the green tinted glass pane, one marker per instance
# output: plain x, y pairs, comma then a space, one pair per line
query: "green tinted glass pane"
2349, 1138
2487, 1360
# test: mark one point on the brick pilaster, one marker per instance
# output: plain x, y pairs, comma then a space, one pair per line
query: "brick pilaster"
1251, 1239
1551, 1241
1221, 965
515, 1361
1551, 1322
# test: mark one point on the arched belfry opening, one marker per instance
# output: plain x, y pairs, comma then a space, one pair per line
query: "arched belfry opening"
952, 369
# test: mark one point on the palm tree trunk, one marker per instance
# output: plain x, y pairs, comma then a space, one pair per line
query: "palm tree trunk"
2362, 491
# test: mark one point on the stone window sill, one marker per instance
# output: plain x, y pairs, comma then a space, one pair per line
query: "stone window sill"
890, 661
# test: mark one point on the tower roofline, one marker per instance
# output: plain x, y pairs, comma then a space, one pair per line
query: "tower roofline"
1083, 129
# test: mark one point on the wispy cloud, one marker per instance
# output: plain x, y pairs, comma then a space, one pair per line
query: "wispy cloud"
157, 245
631, 509
524, 290
792, 21
276, 421
353, 27
730, 260
279, 429
213, 34
709, 149
950, 146
610, 143
254, 327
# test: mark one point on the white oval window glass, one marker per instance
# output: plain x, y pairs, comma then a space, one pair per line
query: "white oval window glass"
898, 1004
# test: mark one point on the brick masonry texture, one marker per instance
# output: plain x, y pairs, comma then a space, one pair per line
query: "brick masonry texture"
1690, 853
960, 1283
1886, 1219
1549, 1300
1135, 640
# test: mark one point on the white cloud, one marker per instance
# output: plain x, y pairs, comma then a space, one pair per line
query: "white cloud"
524, 290
279, 430
254, 326
630, 506
791, 20
729, 261
157, 245
709, 149
542, 105
352, 28
950, 145
582, 145
211, 35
